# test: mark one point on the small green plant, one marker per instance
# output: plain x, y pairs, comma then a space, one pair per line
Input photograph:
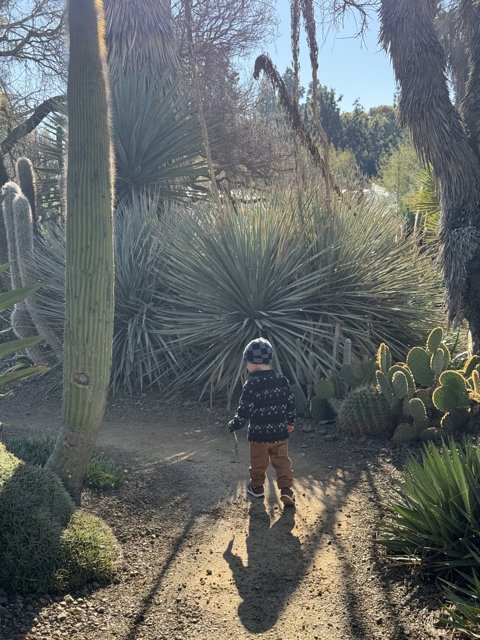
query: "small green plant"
32, 450
463, 605
89, 552
103, 475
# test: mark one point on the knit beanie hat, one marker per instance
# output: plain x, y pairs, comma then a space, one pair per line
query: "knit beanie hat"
258, 351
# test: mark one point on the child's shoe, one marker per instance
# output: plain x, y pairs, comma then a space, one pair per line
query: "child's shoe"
256, 492
287, 497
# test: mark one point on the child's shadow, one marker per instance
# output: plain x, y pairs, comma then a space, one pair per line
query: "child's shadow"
274, 568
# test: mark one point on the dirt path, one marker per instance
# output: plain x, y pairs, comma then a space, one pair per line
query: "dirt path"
202, 561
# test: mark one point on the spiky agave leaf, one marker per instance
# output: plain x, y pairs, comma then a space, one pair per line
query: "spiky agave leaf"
141, 355
387, 291
434, 519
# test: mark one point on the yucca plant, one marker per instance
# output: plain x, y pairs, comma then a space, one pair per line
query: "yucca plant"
255, 270
434, 520
20, 370
158, 142
140, 353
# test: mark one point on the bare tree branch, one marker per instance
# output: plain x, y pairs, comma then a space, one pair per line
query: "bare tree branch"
32, 122
263, 63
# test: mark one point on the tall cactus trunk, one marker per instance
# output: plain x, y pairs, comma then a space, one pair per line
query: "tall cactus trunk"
89, 301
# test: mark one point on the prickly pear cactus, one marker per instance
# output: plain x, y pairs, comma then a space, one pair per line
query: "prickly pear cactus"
418, 361
434, 339
384, 358
452, 393
365, 412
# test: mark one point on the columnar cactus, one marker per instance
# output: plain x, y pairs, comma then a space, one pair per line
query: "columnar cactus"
24, 231
20, 319
26, 180
89, 301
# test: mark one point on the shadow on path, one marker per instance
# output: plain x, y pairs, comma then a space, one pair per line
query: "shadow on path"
275, 565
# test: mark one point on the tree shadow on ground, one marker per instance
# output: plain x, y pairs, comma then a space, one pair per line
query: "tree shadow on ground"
274, 566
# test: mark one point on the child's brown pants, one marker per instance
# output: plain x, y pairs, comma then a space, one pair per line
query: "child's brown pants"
261, 453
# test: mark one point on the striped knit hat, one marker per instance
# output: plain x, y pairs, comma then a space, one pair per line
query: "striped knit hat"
258, 351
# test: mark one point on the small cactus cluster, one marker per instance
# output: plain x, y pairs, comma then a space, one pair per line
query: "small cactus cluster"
407, 386
322, 391
420, 399
20, 228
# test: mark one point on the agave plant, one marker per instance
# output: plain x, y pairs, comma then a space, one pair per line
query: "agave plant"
254, 270
463, 606
434, 520
7, 348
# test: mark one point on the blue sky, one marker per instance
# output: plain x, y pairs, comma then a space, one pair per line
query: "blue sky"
355, 69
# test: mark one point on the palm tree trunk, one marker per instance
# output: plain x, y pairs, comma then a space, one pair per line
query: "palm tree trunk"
89, 299
409, 35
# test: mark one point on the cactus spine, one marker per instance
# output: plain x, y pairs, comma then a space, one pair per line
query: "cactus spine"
89, 301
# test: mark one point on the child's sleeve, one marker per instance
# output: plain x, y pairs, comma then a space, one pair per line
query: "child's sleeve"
245, 407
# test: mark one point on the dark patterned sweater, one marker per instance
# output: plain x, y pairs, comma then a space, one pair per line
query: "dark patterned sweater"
268, 403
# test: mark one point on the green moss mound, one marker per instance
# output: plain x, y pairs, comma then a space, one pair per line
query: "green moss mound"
90, 551
45, 545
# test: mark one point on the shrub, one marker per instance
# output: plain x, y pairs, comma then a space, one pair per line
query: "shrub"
140, 354
32, 450
34, 510
89, 552
45, 545
101, 473
435, 518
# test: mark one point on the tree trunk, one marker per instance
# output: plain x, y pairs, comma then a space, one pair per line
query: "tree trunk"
439, 135
89, 301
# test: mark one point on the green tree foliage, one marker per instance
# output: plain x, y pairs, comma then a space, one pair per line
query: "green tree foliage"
370, 135
400, 173
329, 106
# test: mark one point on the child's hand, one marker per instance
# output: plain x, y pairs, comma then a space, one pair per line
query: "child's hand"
290, 428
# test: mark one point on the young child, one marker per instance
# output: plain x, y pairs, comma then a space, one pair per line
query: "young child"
268, 404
